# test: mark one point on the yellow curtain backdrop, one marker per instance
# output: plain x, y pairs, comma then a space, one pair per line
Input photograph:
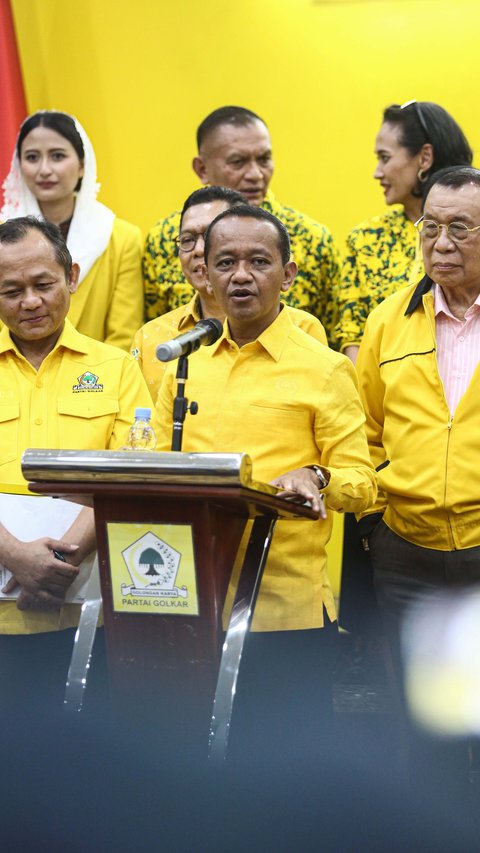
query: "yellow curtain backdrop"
140, 76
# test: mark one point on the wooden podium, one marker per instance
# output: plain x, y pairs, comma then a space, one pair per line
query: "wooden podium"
168, 654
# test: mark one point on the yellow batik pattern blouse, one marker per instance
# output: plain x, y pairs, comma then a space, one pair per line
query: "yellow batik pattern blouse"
313, 250
383, 255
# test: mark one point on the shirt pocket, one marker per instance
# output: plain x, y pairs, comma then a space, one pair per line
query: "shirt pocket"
86, 421
9, 426
271, 418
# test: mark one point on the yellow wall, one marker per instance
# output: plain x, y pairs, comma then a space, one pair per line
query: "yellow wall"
141, 75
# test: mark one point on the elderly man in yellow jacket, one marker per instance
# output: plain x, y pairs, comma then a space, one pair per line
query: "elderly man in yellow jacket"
58, 389
418, 370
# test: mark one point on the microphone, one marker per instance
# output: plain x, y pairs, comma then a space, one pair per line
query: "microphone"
204, 333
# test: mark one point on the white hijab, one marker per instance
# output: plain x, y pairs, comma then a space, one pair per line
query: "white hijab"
92, 222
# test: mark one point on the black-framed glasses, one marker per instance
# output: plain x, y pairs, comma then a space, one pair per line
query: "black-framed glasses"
187, 242
457, 231
418, 110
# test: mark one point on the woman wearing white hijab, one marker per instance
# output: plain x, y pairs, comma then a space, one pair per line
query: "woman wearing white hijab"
53, 175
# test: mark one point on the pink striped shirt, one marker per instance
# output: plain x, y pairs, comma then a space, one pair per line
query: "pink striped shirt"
458, 347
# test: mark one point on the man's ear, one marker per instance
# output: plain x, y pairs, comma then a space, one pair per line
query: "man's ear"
72, 282
206, 281
290, 271
200, 169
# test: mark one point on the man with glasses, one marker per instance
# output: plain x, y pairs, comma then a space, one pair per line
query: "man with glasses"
199, 210
419, 379
235, 151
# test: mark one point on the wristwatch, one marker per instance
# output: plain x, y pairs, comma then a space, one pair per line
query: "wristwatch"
323, 475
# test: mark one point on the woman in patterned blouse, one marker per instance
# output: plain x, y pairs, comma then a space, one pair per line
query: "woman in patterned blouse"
414, 141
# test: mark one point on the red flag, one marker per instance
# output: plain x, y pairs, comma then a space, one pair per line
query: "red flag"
13, 108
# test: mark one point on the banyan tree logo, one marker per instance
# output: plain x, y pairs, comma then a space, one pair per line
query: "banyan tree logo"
153, 567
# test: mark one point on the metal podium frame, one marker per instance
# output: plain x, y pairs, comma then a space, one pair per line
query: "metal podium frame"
88, 477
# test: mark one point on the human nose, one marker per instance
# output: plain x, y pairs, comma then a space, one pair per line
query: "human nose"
378, 173
30, 300
242, 272
254, 172
45, 166
199, 247
443, 241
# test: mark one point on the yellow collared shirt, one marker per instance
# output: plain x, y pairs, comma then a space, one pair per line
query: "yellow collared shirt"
83, 396
288, 401
155, 332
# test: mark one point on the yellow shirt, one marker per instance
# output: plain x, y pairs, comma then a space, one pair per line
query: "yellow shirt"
83, 396
155, 332
288, 401
108, 304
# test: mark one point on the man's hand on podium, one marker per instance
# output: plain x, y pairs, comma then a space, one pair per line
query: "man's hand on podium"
302, 485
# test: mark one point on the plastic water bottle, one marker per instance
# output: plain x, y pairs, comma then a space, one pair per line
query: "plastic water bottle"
141, 435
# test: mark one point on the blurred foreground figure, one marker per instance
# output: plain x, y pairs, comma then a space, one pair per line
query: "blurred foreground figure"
442, 669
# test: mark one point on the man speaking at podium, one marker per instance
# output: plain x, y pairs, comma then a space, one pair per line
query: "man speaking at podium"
269, 389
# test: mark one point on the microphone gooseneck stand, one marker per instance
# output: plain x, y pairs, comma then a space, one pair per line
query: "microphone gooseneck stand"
181, 405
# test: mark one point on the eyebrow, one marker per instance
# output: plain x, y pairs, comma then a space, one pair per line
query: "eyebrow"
53, 148
457, 217
36, 275
239, 153
260, 250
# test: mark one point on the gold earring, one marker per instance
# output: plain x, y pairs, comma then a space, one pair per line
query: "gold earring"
422, 175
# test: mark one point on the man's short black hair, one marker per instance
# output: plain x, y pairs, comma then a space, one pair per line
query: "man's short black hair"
454, 177
236, 116
249, 212
207, 194
15, 230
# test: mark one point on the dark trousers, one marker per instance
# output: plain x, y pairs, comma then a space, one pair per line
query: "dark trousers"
283, 708
34, 669
407, 574
358, 607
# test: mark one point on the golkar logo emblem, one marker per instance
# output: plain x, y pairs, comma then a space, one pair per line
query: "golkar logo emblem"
87, 382
153, 568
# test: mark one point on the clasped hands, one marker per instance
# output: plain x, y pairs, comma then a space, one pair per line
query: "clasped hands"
43, 578
301, 485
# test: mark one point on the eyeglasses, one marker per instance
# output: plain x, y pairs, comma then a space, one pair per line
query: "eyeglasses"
430, 230
187, 242
414, 103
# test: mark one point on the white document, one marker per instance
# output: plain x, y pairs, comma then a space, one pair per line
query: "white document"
27, 518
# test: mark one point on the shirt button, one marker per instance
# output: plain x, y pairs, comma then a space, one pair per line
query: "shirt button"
39, 383
461, 338
38, 422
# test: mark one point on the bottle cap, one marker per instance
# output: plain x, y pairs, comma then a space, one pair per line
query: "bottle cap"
143, 414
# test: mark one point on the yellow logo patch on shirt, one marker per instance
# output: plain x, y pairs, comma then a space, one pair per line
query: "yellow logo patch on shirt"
88, 381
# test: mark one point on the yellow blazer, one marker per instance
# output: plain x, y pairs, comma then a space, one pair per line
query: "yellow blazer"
108, 304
